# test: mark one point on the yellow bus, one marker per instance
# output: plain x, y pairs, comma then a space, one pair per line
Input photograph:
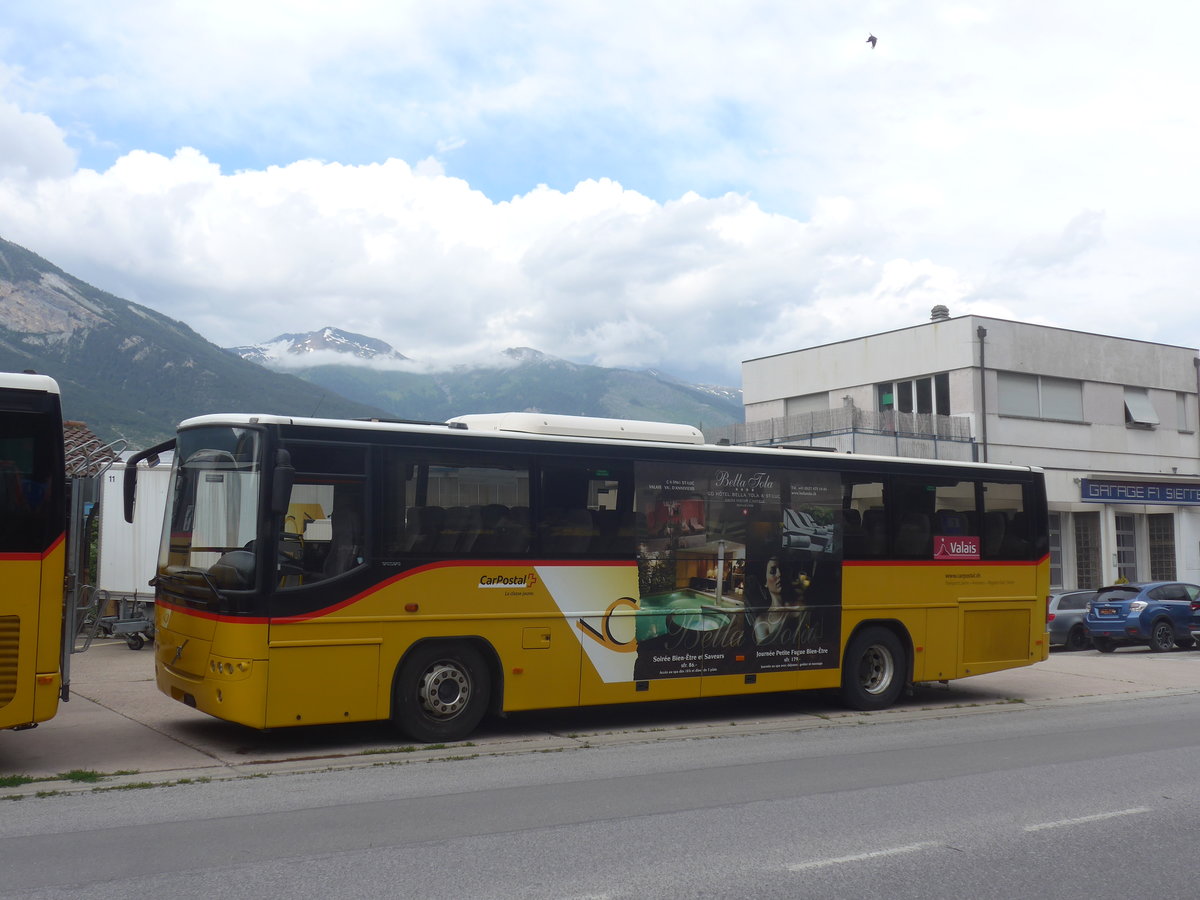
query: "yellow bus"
32, 550
316, 571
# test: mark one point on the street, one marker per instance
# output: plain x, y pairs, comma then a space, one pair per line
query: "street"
991, 804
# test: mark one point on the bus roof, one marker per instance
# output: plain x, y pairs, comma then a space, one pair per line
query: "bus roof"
587, 429
24, 381
582, 426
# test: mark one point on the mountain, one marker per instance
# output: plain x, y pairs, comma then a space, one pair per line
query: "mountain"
521, 379
344, 342
126, 370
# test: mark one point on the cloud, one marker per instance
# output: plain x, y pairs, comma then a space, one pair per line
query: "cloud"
1084, 232
597, 274
681, 186
31, 145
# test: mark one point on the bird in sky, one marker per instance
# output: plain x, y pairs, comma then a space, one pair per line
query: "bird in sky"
871, 40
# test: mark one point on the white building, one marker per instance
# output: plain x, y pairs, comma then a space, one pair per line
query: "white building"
1111, 420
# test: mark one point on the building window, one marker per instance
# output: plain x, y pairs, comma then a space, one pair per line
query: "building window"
1087, 550
927, 395
941, 393
1183, 413
1161, 528
1056, 562
1139, 411
1039, 396
1126, 547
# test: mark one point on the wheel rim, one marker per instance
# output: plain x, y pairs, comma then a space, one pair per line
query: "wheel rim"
444, 690
1163, 635
877, 669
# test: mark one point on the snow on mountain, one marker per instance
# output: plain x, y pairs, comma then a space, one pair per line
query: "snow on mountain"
284, 349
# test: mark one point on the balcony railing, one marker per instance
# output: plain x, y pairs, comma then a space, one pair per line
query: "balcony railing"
848, 429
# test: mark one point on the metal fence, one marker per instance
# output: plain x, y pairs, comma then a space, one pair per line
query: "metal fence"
849, 429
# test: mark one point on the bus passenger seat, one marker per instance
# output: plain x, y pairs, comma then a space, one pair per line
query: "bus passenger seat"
422, 526
951, 522
451, 533
513, 531
914, 538
1016, 537
571, 533
994, 524
492, 517
854, 538
471, 530
607, 523
875, 526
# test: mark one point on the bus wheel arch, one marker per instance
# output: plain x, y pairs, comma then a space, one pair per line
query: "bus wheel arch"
442, 688
876, 665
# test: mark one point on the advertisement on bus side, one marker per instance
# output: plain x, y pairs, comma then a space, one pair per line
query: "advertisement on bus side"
739, 570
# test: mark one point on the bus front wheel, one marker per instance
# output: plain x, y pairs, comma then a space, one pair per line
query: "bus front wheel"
873, 669
441, 692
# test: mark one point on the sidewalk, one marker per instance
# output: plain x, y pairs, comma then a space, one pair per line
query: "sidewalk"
118, 722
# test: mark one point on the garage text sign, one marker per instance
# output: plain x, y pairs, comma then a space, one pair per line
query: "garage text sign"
1165, 493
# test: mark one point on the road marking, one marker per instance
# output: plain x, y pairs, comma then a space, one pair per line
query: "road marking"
1064, 823
860, 857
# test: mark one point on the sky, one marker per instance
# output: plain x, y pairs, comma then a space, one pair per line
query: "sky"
670, 185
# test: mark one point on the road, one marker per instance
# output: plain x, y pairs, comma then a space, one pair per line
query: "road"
118, 722
1094, 798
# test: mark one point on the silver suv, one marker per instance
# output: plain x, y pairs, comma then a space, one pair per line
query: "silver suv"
1065, 613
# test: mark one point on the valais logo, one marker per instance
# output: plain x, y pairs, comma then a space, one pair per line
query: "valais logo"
955, 547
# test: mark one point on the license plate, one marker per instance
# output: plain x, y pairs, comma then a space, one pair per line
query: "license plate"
1106, 611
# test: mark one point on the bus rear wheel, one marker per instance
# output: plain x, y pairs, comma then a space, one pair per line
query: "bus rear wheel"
873, 669
441, 692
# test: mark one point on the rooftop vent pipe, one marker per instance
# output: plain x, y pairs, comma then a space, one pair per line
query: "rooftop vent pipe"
939, 313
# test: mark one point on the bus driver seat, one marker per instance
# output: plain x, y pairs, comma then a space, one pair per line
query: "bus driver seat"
345, 545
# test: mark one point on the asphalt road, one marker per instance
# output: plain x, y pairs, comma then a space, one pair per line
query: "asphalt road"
117, 722
1091, 797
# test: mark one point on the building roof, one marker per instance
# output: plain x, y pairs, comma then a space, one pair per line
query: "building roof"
86, 454
942, 321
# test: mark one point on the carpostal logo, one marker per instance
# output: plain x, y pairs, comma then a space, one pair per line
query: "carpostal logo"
527, 580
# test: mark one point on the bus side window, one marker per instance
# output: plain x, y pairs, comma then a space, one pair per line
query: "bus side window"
587, 509
864, 522
1006, 530
456, 504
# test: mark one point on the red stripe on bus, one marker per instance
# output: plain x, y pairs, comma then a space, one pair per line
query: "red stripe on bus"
867, 563
35, 556
483, 563
400, 576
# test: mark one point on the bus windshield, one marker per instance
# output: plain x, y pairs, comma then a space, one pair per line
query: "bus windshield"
209, 533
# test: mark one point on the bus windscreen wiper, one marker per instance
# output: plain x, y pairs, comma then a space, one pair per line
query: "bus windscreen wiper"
180, 576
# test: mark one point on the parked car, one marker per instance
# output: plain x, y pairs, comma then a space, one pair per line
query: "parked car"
1158, 613
1065, 611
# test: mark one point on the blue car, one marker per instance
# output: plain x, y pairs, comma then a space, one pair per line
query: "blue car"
1160, 614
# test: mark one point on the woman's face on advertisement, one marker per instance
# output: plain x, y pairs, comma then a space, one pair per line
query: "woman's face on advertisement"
774, 576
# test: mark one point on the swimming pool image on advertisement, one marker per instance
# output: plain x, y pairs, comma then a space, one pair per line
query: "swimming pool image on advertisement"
665, 614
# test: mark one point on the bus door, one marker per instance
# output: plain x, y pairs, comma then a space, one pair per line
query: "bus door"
325, 628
